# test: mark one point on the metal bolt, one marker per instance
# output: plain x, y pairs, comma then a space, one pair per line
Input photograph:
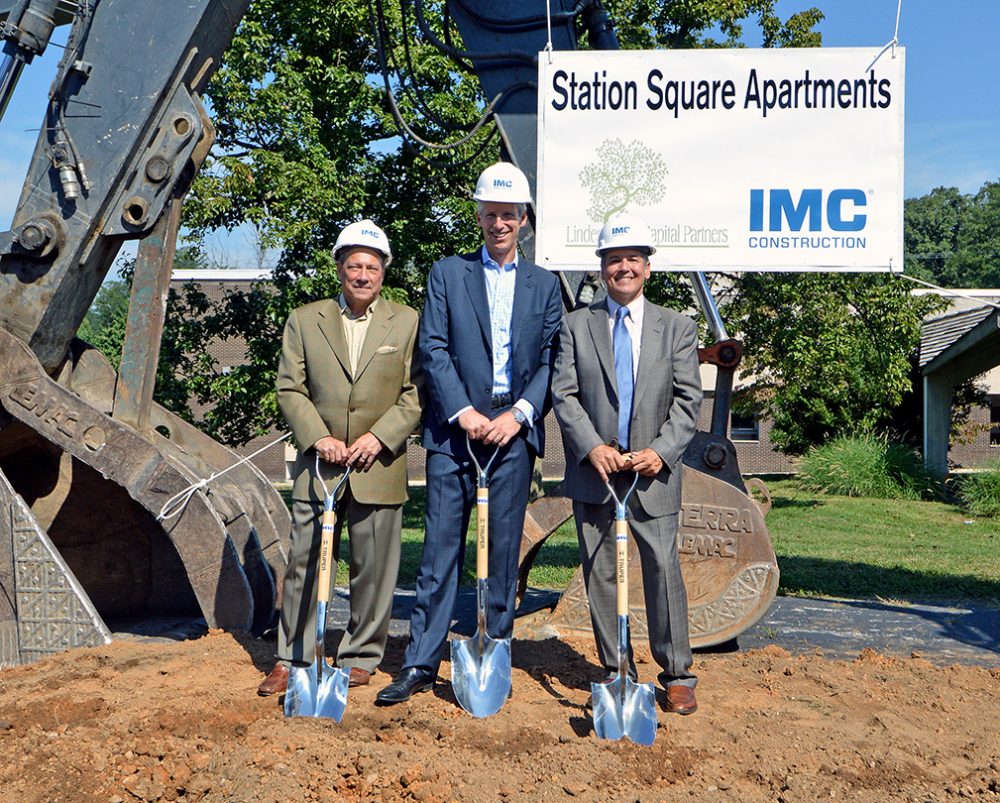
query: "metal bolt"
33, 236
157, 169
715, 456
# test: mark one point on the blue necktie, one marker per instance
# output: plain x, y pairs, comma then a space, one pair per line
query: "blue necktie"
623, 375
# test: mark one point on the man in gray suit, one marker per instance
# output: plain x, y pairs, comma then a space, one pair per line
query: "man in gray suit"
626, 392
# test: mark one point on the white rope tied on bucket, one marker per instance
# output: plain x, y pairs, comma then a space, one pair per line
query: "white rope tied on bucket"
176, 503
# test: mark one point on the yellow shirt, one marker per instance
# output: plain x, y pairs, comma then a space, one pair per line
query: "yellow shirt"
355, 329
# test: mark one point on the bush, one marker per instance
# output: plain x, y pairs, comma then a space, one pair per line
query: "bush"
980, 492
867, 465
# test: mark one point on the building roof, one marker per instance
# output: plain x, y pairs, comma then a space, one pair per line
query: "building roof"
221, 275
938, 334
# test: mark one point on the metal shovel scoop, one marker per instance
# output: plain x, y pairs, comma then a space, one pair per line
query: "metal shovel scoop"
319, 690
480, 666
623, 707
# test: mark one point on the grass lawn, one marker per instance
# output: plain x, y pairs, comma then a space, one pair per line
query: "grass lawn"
902, 551
891, 549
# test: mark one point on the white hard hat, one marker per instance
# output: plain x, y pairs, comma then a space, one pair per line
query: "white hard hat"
366, 234
504, 183
625, 231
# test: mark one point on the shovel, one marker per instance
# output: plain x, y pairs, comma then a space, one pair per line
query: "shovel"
480, 666
623, 707
319, 690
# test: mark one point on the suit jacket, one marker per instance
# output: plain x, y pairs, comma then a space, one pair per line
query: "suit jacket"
666, 399
456, 346
318, 395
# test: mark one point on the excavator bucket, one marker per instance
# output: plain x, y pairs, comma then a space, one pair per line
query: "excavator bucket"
730, 570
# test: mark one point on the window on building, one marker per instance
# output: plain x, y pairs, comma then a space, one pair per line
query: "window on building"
995, 420
744, 427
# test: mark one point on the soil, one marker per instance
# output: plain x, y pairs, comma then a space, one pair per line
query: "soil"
144, 720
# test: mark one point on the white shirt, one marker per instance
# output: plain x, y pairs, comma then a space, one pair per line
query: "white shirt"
633, 325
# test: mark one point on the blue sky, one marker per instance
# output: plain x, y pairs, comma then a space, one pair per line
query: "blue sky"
952, 135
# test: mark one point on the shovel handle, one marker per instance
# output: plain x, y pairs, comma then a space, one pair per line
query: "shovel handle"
482, 533
326, 560
621, 561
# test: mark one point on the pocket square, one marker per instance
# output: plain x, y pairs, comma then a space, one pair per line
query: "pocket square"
387, 349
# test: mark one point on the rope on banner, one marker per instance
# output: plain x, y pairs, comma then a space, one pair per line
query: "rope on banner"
548, 29
892, 42
944, 291
176, 503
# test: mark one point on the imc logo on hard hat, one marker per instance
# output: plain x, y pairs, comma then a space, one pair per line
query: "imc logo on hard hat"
840, 210
503, 182
370, 233
620, 230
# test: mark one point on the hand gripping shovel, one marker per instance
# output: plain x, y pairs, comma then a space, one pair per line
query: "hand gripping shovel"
623, 707
480, 666
318, 690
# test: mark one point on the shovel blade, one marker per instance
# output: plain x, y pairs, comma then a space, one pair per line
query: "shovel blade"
481, 680
631, 714
308, 697
300, 697
331, 696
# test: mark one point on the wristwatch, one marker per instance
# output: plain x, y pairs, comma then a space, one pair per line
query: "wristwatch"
520, 417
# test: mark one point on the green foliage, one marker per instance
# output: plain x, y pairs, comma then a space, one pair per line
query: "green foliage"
867, 465
830, 353
307, 143
980, 491
954, 239
104, 325
695, 23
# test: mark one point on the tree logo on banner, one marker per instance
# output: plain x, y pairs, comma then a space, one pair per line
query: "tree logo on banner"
622, 175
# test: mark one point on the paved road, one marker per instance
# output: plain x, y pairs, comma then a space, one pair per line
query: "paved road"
836, 628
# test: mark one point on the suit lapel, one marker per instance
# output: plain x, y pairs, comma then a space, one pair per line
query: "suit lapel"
652, 331
597, 322
475, 284
524, 284
333, 330
378, 330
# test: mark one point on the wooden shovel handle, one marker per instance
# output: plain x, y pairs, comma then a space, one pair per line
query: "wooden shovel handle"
326, 559
482, 533
621, 560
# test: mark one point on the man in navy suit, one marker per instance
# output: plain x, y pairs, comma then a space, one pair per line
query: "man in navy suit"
487, 342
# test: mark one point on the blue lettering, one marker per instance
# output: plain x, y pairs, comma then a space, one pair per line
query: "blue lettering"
786, 214
835, 210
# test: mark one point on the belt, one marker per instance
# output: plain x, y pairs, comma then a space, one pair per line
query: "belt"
501, 400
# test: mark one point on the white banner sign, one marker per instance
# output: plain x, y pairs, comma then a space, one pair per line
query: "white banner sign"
737, 159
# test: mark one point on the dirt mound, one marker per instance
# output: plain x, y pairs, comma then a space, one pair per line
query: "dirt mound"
180, 721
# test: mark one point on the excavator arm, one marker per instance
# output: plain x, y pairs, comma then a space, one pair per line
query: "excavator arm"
87, 460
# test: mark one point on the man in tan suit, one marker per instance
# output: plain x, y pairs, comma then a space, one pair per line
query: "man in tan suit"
349, 388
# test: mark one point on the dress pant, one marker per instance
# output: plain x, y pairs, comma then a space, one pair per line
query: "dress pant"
374, 532
451, 495
663, 585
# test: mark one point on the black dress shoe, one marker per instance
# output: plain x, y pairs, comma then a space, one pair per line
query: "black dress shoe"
407, 683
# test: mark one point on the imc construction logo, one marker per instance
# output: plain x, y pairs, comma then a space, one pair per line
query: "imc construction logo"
622, 175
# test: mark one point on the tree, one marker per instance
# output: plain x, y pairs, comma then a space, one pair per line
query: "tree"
829, 354
953, 239
307, 142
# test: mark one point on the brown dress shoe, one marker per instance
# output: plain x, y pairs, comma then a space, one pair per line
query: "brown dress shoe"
681, 700
359, 677
275, 683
